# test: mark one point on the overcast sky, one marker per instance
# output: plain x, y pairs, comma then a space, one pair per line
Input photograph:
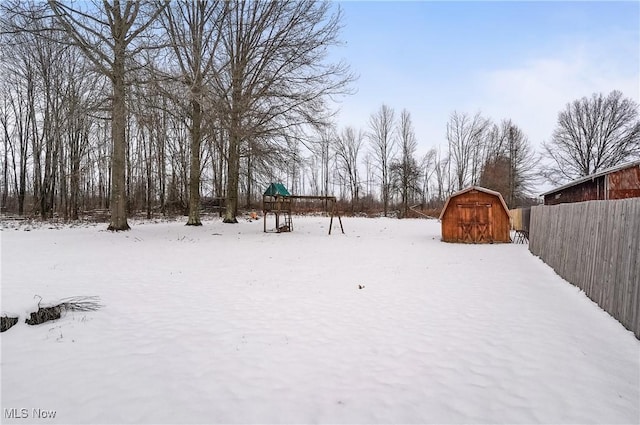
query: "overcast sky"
518, 60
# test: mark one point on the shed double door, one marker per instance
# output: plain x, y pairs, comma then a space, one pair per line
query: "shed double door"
474, 225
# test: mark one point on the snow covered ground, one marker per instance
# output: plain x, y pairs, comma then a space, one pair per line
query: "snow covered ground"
227, 324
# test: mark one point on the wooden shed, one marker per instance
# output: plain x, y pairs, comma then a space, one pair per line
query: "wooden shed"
475, 215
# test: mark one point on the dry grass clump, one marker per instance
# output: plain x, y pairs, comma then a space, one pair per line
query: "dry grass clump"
7, 322
44, 314
53, 312
91, 303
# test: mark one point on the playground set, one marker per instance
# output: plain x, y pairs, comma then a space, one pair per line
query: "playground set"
278, 201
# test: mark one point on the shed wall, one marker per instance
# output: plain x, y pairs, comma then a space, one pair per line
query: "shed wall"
460, 212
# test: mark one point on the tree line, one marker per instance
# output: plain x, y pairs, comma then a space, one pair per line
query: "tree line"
478, 152
147, 106
164, 100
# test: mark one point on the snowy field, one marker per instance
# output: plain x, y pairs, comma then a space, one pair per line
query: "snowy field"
227, 324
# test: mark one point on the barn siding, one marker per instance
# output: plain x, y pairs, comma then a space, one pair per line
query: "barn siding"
617, 183
624, 183
587, 191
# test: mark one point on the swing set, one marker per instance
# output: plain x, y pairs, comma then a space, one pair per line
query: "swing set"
278, 201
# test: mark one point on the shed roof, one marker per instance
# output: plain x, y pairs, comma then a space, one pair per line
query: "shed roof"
276, 189
593, 176
479, 189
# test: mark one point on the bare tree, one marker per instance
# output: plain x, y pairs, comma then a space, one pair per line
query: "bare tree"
7, 136
510, 164
382, 138
593, 134
465, 135
38, 63
19, 102
193, 28
110, 36
369, 175
319, 161
405, 170
347, 147
325, 146
81, 96
444, 183
274, 76
428, 165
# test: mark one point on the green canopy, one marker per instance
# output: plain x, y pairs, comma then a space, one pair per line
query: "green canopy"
276, 189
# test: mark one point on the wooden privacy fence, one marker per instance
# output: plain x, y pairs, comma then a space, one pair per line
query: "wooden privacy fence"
595, 245
520, 219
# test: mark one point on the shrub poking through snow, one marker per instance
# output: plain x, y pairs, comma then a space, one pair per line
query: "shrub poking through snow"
6, 322
44, 314
53, 312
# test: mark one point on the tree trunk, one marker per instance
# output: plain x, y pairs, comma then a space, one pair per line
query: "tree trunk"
118, 136
75, 185
194, 176
233, 175
74, 169
130, 202
23, 183
5, 170
221, 163
162, 163
249, 177
46, 181
385, 188
148, 153
63, 189
36, 151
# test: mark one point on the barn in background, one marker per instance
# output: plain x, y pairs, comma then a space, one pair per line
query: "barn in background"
618, 182
475, 215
